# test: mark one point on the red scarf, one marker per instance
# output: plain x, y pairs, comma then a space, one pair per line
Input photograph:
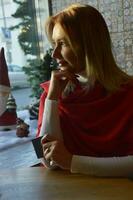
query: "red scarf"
95, 123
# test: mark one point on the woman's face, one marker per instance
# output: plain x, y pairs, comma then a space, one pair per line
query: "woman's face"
62, 51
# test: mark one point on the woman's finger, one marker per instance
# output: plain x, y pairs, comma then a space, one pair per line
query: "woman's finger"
46, 138
46, 151
46, 145
47, 156
64, 74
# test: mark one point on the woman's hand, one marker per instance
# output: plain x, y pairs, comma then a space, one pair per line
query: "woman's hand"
56, 151
59, 80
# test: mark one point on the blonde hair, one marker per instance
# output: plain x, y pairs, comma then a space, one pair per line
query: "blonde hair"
88, 35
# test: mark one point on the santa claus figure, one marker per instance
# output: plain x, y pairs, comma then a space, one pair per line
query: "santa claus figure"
8, 118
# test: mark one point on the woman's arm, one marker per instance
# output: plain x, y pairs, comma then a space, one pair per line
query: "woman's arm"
50, 126
104, 167
96, 166
50, 121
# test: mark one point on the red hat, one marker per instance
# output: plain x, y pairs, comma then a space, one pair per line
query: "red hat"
4, 78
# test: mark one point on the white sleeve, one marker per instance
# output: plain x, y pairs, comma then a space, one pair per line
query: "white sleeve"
51, 122
51, 126
104, 167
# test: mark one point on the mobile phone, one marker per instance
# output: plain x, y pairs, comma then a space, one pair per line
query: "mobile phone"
38, 147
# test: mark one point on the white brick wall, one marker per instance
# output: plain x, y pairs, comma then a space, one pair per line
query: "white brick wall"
119, 18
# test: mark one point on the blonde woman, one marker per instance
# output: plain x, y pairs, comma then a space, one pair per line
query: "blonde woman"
86, 112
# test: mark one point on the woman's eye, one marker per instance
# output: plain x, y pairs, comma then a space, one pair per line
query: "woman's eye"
62, 43
59, 44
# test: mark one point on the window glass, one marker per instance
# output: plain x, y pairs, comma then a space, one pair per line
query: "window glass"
22, 36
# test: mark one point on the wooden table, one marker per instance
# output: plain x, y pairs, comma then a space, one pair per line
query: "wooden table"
43, 184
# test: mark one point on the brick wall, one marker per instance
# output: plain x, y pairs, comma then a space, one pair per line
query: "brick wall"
118, 15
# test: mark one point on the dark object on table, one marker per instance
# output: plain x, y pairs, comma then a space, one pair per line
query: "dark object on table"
38, 147
22, 128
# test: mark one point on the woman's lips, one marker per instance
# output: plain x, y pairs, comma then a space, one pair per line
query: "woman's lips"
63, 65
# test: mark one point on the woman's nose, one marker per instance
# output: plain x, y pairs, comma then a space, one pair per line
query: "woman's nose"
56, 53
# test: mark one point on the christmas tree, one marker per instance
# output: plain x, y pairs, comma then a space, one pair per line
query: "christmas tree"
28, 37
41, 72
37, 70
